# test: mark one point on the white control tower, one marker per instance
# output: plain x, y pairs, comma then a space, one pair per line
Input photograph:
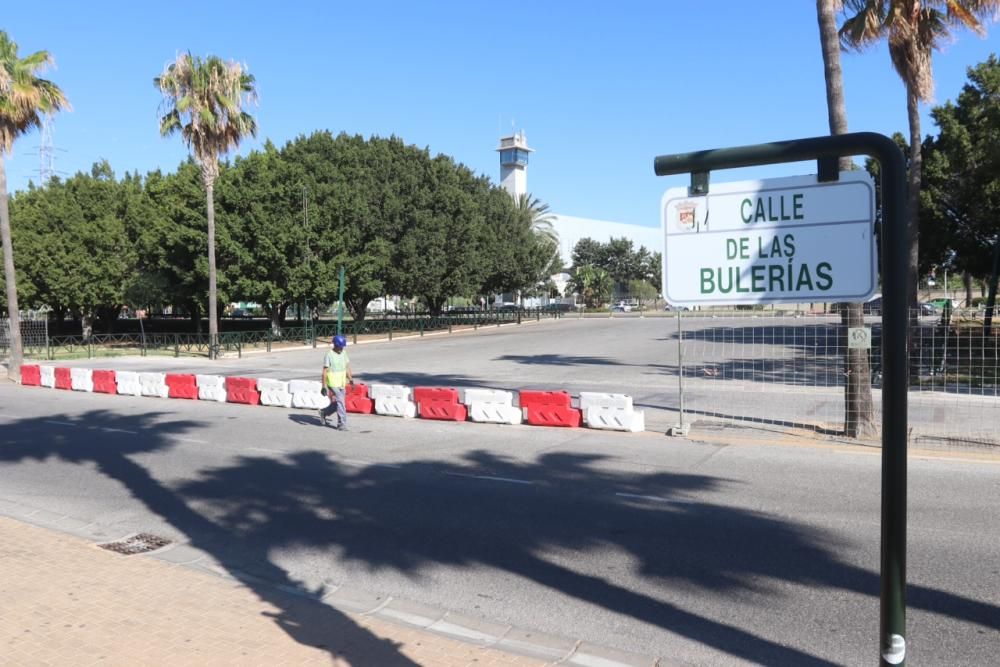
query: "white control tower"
514, 153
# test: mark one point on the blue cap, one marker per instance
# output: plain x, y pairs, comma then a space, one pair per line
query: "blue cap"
339, 341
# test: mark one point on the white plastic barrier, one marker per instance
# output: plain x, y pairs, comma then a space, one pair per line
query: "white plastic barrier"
306, 394
393, 400
154, 384
376, 391
493, 396
81, 379
492, 406
615, 419
591, 399
211, 388
494, 413
128, 383
48, 374
274, 392
395, 407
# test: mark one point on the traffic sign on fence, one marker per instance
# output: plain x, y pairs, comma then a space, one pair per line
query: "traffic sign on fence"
780, 240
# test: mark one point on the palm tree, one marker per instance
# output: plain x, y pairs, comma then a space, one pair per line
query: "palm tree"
204, 101
859, 410
913, 30
592, 283
536, 214
24, 99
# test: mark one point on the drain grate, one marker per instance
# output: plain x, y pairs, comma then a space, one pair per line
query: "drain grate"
140, 543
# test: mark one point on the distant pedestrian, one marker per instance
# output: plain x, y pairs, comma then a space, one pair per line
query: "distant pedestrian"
336, 376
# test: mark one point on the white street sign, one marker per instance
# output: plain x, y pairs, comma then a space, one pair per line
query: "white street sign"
859, 338
780, 240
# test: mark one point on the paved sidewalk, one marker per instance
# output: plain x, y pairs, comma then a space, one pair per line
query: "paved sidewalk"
68, 602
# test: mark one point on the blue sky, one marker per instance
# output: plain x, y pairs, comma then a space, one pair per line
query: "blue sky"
600, 88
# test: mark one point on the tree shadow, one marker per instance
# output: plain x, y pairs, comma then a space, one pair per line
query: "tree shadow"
418, 515
109, 441
558, 360
406, 519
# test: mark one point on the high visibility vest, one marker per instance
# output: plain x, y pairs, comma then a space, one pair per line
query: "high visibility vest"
336, 369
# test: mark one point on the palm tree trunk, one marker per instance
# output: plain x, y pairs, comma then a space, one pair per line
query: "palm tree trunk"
912, 223
913, 193
859, 409
16, 352
213, 320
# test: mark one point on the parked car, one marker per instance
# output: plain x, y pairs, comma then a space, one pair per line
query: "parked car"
928, 308
240, 314
940, 303
670, 307
621, 307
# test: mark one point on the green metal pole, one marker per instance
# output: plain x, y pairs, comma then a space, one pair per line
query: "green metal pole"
895, 345
340, 305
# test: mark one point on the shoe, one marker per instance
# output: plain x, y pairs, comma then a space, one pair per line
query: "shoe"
322, 417
342, 427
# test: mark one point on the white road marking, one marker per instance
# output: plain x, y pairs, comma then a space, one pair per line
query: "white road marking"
117, 430
490, 477
197, 442
52, 421
656, 499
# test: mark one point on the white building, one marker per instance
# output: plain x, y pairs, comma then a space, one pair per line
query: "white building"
514, 153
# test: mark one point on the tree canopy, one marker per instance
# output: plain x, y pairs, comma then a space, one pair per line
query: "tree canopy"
399, 220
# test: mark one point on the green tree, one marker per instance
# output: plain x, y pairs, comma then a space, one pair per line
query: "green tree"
24, 99
586, 251
593, 284
859, 409
171, 237
79, 254
542, 224
914, 29
960, 200
204, 102
261, 205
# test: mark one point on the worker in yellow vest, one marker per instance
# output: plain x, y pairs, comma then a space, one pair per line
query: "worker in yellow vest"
336, 376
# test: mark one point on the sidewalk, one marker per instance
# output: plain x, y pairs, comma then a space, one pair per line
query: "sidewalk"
69, 602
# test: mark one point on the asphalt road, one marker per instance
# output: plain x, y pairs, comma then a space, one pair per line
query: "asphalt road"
753, 552
757, 373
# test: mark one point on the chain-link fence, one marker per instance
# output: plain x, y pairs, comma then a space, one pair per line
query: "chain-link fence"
791, 370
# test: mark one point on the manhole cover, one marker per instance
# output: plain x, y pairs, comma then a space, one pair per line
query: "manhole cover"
136, 544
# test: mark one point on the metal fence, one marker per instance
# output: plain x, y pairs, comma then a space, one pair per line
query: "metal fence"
790, 370
39, 345
34, 334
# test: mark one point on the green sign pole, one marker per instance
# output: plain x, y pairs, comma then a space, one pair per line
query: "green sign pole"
340, 304
895, 341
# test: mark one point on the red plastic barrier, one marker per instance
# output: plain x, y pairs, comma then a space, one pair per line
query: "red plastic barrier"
439, 403
105, 383
31, 375
242, 390
435, 394
549, 399
356, 399
546, 415
455, 412
181, 386
63, 379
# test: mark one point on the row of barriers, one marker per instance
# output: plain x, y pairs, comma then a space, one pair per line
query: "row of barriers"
537, 408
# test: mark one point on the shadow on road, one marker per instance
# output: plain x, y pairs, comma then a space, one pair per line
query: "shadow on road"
428, 513
107, 440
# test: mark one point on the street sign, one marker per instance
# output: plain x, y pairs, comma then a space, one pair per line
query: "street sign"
780, 240
859, 338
